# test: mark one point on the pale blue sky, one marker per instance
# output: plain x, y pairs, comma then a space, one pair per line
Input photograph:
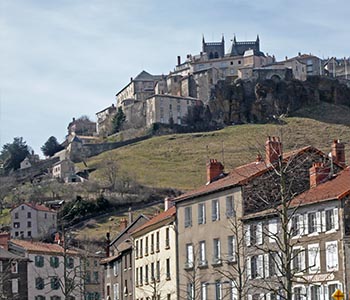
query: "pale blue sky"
66, 58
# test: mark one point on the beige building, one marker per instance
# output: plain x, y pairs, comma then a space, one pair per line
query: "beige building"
50, 270
164, 108
155, 258
31, 220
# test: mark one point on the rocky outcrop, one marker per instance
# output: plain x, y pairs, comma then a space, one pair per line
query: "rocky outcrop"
243, 101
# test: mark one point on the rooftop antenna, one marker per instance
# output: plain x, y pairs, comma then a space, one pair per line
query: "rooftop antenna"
222, 153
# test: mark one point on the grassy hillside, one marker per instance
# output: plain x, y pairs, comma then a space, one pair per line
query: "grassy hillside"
178, 161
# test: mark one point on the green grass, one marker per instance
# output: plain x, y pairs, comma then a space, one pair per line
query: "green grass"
5, 217
179, 161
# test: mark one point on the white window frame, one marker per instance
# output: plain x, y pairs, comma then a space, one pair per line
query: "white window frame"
314, 258
201, 213
332, 255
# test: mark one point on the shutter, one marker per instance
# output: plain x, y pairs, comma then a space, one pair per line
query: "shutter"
250, 297
302, 259
262, 296
267, 265
335, 256
247, 235
303, 292
325, 291
249, 274
234, 248
321, 291
268, 296
278, 262
259, 233
306, 224
272, 231
336, 218
301, 224
260, 265
323, 220
318, 221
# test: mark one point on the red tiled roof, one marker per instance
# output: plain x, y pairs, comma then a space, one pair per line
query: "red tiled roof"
335, 188
32, 246
36, 206
241, 175
158, 218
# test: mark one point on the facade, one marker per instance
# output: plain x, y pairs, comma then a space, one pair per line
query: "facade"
168, 108
82, 126
118, 265
210, 231
140, 88
31, 220
104, 120
13, 276
155, 257
51, 270
318, 241
64, 170
338, 68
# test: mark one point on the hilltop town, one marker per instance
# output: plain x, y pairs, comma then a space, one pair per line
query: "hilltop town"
272, 227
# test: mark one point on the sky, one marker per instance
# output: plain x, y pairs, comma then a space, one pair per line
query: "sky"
61, 59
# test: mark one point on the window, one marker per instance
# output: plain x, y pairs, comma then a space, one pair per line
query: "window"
54, 261
152, 243
14, 285
216, 251
215, 213
70, 262
29, 214
16, 224
331, 289
152, 272
314, 222
296, 225
255, 266
146, 246
116, 291
189, 256
16, 215
157, 241
190, 291
202, 255
141, 276
29, 233
298, 256
14, 267
87, 276
55, 283
40, 297
167, 240
254, 234
230, 211
158, 270
137, 249
204, 291
141, 246
231, 246
201, 213
272, 231
315, 292
332, 256
314, 258
168, 269
273, 263
55, 298
146, 274
39, 283
115, 268
188, 216
330, 219
96, 279
39, 261
218, 290
299, 293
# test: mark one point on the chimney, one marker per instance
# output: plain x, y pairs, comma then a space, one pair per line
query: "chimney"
338, 152
318, 174
168, 202
299, 53
178, 60
108, 241
286, 58
130, 216
214, 169
123, 224
258, 158
273, 147
131, 79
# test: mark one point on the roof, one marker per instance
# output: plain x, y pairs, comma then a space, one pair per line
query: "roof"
165, 215
241, 175
35, 206
35, 247
124, 246
8, 255
336, 188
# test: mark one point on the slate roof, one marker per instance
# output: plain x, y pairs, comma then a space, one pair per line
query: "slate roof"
168, 214
241, 175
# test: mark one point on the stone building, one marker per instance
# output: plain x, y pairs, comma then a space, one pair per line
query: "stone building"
104, 120
32, 221
82, 126
210, 230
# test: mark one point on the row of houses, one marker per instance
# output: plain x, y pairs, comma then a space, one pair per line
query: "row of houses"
275, 228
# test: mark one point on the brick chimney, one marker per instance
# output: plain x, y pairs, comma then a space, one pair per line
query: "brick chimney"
214, 169
108, 241
123, 224
318, 174
168, 202
273, 148
338, 152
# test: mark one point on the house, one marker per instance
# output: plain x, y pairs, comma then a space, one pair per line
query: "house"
167, 109
210, 232
104, 120
13, 276
118, 265
337, 68
318, 242
155, 257
32, 220
54, 272
82, 126
65, 171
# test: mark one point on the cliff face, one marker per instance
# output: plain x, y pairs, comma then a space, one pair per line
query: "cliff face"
261, 101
